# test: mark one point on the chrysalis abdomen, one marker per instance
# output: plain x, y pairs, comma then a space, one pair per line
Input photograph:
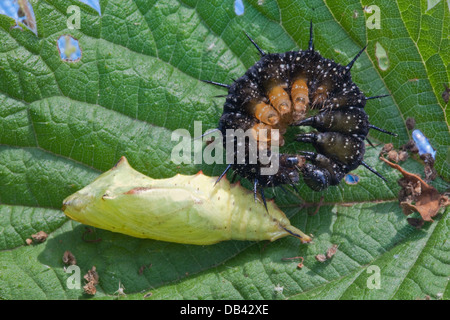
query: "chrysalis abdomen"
183, 209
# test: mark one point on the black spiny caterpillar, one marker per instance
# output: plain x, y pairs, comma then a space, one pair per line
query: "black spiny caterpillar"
281, 90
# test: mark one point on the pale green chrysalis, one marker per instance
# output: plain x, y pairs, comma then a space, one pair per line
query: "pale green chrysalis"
183, 209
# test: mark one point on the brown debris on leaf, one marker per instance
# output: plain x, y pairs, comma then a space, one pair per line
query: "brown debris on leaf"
392, 154
321, 257
410, 123
387, 147
417, 196
299, 265
92, 280
142, 268
430, 171
91, 275
403, 156
69, 258
446, 93
410, 146
90, 288
415, 222
89, 231
329, 254
41, 236
332, 251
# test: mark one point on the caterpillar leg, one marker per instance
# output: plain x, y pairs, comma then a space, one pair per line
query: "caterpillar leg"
316, 178
335, 169
346, 149
290, 161
306, 137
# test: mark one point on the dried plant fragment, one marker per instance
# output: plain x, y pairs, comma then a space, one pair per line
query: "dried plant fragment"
332, 251
417, 196
387, 147
41, 236
90, 288
415, 222
89, 231
321, 257
410, 123
92, 280
299, 265
446, 93
430, 171
91, 276
393, 156
403, 156
410, 146
69, 258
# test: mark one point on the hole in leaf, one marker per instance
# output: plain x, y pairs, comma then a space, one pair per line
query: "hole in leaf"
422, 143
239, 7
382, 58
21, 11
69, 48
431, 4
351, 179
94, 4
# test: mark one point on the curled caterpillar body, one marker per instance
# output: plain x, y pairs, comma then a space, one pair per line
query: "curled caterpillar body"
182, 209
282, 90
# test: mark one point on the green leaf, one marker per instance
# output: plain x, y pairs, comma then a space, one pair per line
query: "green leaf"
139, 79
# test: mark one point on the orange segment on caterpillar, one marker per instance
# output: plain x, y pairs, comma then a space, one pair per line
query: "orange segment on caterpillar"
265, 113
279, 98
182, 209
300, 98
304, 89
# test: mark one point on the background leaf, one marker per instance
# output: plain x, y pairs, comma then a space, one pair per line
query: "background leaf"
63, 123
